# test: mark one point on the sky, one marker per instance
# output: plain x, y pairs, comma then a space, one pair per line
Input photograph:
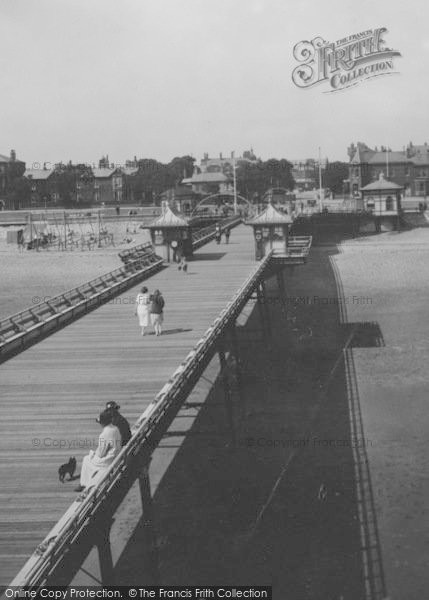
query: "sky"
165, 78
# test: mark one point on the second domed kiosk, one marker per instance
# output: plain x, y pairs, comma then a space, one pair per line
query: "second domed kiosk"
271, 231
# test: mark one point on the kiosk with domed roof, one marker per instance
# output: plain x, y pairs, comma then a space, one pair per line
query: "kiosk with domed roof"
171, 235
382, 199
271, 231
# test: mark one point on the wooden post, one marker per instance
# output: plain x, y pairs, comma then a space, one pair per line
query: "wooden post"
262, 316
105, 555
150, 549
265, 304
65, 230
238, 372
227, 395
99, 228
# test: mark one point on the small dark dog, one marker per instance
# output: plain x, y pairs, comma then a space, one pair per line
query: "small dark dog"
69, 468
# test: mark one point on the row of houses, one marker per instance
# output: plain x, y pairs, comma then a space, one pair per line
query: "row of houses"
109, 185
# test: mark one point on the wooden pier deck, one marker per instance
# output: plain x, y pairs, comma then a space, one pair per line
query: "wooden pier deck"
51, 394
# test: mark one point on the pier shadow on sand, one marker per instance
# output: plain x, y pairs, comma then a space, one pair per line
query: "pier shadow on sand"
290, 503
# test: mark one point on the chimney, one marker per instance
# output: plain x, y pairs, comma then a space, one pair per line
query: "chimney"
13, 155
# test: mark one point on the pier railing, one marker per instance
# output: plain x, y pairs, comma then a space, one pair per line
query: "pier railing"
76, 532
130, 254
299, 245
205, 235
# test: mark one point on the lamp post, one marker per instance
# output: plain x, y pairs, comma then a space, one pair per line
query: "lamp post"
234, 167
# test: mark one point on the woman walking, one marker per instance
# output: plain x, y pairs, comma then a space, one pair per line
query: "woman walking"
142, 308
157, 311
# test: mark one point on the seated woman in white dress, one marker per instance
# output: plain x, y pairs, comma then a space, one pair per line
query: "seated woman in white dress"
109, 445
142, 308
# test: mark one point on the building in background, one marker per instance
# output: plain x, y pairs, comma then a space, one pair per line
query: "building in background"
128, 181
225, 164
306, 174
181, 198
108, 183
209, 182
43, 186
408, 168
10, 168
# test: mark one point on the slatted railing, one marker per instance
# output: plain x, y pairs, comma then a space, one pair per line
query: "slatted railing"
135, 252
201, 237
26, 327
53, 557
299, 245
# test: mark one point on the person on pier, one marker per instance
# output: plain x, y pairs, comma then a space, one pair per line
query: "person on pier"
120, 421
142, 308
157, 311
218, 233
96, 462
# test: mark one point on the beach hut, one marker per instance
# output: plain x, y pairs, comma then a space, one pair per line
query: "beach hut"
14, 235
171, 235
